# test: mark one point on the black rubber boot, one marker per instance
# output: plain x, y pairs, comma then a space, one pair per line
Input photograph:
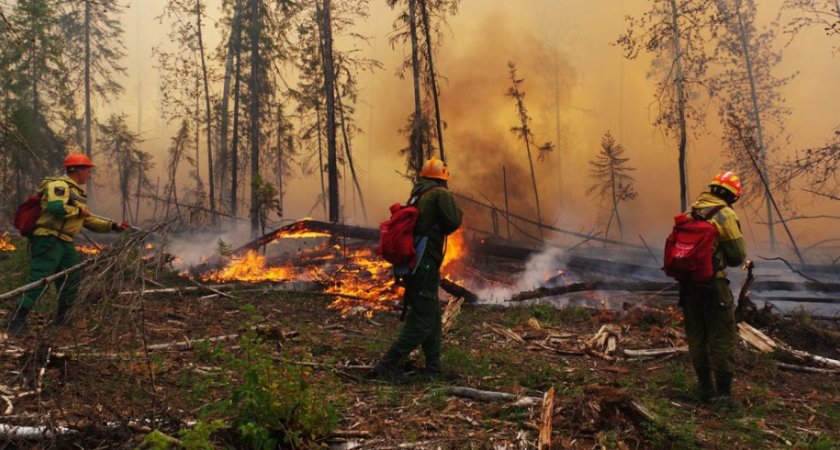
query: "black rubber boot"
15, 323
723, 380
723, 400
388, 368
61, 317
706, 389
436, 372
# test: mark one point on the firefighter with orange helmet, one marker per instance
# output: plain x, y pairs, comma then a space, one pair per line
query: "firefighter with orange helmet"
709, 307
439, 217
63, 214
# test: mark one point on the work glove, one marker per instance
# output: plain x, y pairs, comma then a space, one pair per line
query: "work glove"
83, 212
120, 226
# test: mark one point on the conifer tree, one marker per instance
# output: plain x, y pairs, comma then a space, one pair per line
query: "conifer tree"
611, 179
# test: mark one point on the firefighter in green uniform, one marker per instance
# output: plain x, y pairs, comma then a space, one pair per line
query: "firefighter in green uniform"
63, 214
439, 217
708, 308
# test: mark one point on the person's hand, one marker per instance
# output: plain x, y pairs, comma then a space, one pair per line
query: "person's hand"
83, 212
120, 226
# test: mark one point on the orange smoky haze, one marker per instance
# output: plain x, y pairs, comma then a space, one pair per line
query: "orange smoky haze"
578, 86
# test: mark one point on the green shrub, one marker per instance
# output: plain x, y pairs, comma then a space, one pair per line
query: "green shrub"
265, 401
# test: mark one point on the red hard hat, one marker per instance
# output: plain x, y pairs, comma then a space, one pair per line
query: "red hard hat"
77, 159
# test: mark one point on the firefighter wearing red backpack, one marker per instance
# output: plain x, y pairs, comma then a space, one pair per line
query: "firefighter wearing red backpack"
63, 213
439, 216
708, 306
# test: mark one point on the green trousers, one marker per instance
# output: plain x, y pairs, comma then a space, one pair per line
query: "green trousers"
50, 255
710, 324
423, 322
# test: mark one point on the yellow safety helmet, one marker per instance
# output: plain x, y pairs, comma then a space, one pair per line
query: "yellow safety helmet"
434, 168
729, 181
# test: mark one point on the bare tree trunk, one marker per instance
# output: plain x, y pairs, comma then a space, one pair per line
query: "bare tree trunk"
280, 158
432, 76
137, 198
329, 90
526, 132
88, 137
762, 150
207, 119
350, 155
416, 134
321, 159
234, 150
255, 114
679, 84
225, 106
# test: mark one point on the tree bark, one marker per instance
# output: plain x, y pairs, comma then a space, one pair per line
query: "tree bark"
432, 76
416, 131
226, 88
680, 87
208, 124
255, 114
349, 154
88, 137
234, 150
329, 90
762, 150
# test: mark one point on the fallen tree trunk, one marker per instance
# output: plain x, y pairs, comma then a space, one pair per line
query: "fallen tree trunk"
458, 291
493, 396
653, 352
334, 229
765, 344
44, 281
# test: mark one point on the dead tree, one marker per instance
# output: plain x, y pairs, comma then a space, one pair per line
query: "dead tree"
524, 132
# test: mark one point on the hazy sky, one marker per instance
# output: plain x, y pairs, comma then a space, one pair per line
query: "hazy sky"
555, 43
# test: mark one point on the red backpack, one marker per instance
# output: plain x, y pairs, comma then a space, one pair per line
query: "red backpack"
27, 215
689, 249
396, 235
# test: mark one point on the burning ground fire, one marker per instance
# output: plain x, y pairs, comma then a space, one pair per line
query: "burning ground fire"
6, 243
87, 249
357, 275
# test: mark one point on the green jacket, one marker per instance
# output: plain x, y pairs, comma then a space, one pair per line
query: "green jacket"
730, 250
439, 215
61, 202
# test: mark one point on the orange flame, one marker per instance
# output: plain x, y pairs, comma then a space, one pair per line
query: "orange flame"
87, 249
456, 250
251, 267
6, 243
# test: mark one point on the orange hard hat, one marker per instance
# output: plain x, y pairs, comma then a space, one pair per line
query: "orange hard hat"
729, 181
77, 160
435, 168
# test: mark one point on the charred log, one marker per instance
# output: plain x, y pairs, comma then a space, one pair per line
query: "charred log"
456, 290
542, 292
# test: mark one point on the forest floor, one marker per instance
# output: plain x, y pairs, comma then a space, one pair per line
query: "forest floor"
287, 358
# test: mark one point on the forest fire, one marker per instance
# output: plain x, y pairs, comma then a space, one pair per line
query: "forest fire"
251, 267
354, 273
6, 243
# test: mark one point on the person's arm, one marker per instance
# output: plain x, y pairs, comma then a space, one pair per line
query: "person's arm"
730, 239
449, 214
99, 225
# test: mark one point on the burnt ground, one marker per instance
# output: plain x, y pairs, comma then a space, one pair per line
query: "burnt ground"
107, 382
